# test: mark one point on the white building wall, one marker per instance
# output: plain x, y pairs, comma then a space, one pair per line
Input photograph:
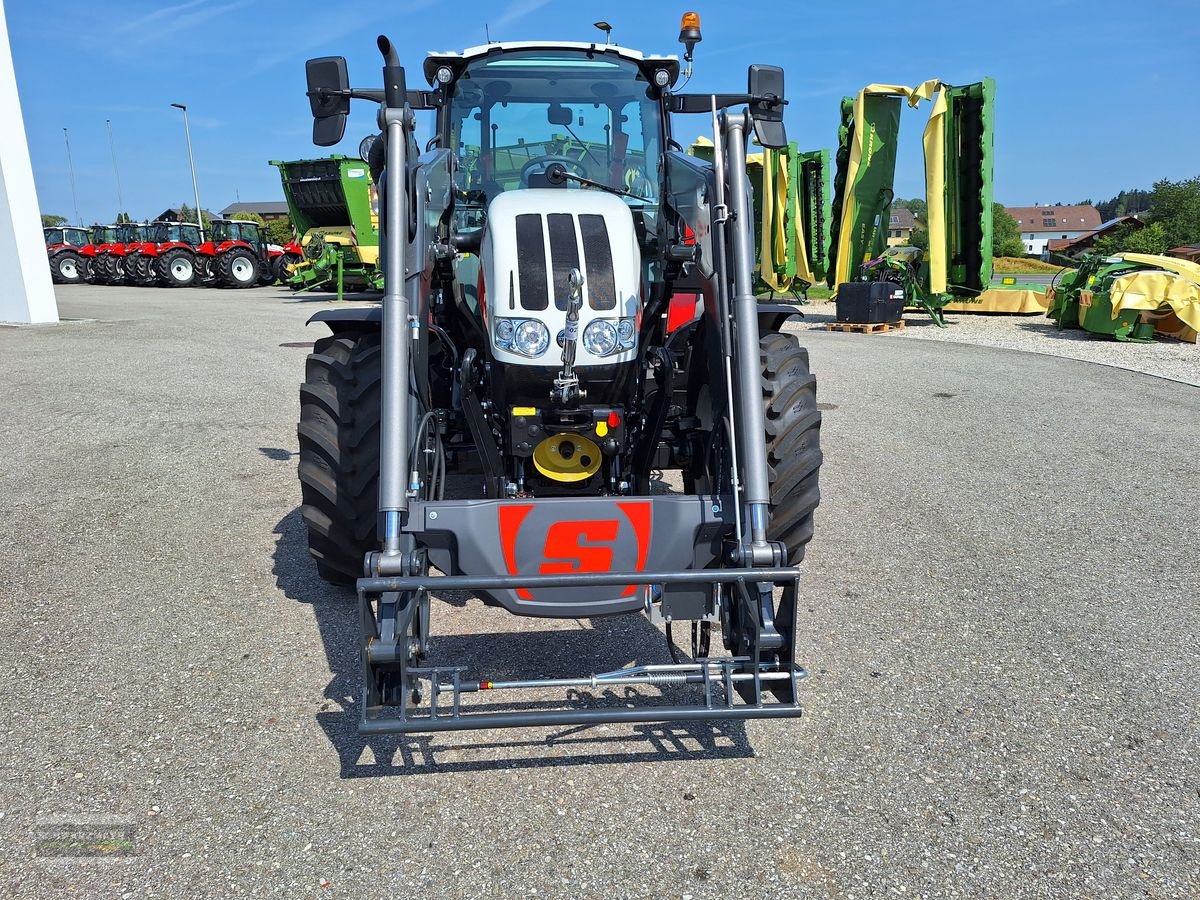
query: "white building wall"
26, 292
1035, 241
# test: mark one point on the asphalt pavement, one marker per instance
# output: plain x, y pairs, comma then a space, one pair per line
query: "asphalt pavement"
1000, 618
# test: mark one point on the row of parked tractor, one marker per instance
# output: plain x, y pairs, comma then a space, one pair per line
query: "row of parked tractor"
233, 254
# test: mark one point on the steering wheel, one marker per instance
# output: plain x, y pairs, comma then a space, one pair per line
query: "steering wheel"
544, 162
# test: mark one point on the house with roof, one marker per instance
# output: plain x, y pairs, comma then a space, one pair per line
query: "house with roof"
900, 227
1074, 246
1187, 251
1040, 224
269, 210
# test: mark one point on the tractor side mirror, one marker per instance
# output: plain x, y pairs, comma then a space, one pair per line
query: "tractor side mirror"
328, 83
766, 105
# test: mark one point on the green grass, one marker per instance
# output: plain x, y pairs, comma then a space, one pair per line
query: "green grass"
1017, 265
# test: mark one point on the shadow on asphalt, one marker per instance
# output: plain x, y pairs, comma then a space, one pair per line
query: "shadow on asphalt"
1047, 328
558, 653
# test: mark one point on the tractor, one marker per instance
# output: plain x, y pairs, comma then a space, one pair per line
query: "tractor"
556, 339
63, 246
236, 255
142, 261
108, 264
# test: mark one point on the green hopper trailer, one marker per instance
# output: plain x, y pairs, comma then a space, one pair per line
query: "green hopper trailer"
335, 210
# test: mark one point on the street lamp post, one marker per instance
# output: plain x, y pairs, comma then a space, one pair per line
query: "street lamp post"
192, 163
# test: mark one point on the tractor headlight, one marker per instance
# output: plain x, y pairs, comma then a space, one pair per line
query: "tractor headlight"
531, 338
607, 337
600, 338
504, 332
528, 337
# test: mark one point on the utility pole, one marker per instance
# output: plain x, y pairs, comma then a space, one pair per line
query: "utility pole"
191, 162
117, 172
71, 169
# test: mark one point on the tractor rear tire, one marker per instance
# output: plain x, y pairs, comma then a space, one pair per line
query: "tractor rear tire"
339, 451
139, 270
793, 438
98, 273
176, 268
279, 267
67, 267
237, 268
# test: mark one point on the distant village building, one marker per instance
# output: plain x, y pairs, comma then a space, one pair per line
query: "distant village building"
1040, 224
1082, 244
1187, 251
900, 227
269, 210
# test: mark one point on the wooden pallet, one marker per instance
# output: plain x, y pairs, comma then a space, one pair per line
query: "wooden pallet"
865, 327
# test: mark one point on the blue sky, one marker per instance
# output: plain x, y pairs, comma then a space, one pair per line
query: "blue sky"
1092, 97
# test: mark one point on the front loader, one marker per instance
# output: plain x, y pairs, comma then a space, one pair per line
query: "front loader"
523, 342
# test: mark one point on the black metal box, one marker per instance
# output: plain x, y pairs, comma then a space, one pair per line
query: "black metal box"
869, 302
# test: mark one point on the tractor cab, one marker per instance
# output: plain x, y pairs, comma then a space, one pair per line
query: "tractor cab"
564, 116
559, 146
171, 233
129, 236
66, 237
230, 231
103, 237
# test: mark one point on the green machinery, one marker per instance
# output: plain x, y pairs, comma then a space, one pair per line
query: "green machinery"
1128, 296
792, 214
335, 211
958, 182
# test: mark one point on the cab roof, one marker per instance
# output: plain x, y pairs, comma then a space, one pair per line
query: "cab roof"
437, 59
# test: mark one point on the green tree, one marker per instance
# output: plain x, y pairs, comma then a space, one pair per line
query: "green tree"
188, 214
919, 237
279, 231
1176, 206
1151, 239
123, 218
1006, 233
53, 221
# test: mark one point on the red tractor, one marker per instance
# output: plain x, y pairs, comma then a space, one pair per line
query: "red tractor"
108, 266
237, 255
142, 261
63, 246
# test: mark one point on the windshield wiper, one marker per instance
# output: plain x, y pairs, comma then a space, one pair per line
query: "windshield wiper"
556, 173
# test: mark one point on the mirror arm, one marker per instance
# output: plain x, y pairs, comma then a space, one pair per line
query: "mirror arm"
421, 100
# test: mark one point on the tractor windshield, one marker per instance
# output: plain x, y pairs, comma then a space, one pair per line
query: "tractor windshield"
76, 237
513, 114
104, 234
54, 236
235, 231
130, 233
163, 233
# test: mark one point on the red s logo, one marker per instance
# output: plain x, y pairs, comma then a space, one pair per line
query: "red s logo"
579, 547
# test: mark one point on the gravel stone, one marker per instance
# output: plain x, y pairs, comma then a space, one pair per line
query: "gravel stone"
1166, 358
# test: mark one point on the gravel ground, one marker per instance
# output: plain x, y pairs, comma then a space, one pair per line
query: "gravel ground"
1166, 358
1001, 624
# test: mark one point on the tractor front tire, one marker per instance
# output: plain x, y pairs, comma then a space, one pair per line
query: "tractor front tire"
237, 268
339, 451
793, 439
176, 268
67, 267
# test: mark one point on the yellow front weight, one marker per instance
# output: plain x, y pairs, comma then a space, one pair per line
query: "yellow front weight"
567, 457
